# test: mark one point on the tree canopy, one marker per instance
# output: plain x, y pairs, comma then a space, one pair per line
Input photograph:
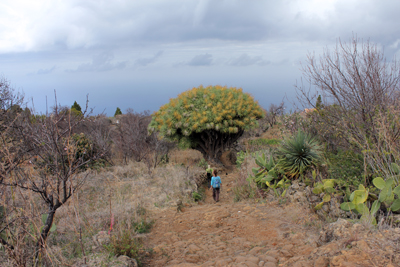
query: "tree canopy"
117, 112
208, 119
76, 106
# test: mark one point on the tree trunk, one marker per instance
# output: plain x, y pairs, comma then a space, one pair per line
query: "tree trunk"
212, 143
41, 243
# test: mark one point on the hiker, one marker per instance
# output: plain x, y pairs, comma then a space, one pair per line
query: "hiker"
209, 171
215, 185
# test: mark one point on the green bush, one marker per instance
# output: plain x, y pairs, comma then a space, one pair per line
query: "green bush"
199, 195
265, 142
261, 144
196, 196
124, 243
143, 226
117, 112
346, 166
241, 155
202, 163
85, 150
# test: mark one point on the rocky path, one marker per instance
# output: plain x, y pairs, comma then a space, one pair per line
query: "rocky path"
256, 234
230, 234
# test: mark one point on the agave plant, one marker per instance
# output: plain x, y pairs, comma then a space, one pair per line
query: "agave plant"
298, 153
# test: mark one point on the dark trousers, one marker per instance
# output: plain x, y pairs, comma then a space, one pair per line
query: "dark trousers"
216, 194
208, 178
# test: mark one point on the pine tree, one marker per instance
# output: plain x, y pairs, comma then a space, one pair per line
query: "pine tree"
208, 119
76, 106
118, 112
318, 104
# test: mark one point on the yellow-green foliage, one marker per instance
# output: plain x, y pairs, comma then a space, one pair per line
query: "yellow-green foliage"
223, 109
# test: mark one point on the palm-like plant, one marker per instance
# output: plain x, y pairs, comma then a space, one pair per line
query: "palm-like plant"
298, 153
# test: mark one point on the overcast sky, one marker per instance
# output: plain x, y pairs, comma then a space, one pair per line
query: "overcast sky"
140, 53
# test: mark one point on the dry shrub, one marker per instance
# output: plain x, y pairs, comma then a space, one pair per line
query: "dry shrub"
119, 198
24, 211
126, 195
188, 157
245, 188
274, 132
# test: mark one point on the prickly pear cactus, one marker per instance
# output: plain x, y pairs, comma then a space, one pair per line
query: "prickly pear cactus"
327, 187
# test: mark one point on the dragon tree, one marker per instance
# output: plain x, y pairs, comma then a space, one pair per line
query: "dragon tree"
209, 119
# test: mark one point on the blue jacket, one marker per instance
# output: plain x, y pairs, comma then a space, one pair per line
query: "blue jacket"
215, 181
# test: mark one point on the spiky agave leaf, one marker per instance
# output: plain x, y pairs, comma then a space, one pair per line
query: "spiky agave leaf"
298, 153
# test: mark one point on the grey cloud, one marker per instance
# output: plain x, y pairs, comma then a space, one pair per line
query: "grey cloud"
87, 24
42, 71
46, 71
100, 62
246, 60
146, 61
201, 60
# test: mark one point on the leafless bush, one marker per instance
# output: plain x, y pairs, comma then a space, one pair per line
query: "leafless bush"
134, 141
99, 130
8, 97
358, 91
293, 122
354, 81
41, 156
273, 112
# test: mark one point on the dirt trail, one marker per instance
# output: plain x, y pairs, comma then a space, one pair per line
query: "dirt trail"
228, 233
246, 234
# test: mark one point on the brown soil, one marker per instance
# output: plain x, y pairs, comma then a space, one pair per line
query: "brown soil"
255, 234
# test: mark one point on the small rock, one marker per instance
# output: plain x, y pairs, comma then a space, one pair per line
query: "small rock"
286, 253
102, 238
272, 253
246, 244
192, 258
193, 248
240, 259
127, 262
295, 185
256, 250
250, 264
321, 262
253, 259
315, 199
362, 245
223, 262
301, 264
334, 231
287, 247
270, 259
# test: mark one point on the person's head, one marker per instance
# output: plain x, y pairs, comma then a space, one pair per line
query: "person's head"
215, 173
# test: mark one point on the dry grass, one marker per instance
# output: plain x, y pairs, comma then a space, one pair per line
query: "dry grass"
188, 157
245, 188
273, 133
128, 194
